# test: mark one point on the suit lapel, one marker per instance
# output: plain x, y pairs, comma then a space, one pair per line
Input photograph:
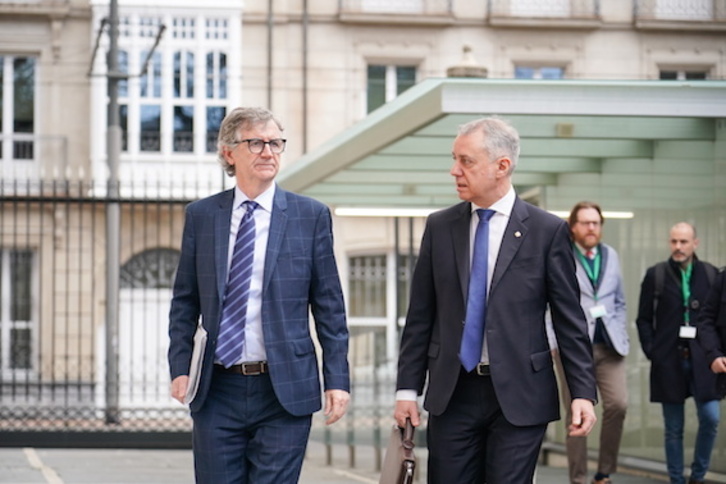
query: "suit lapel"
603, 264
278, 225
222, 221
582, 278
514, 235
461, 238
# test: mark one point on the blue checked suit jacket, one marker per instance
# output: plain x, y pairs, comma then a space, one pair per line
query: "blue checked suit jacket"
300, 276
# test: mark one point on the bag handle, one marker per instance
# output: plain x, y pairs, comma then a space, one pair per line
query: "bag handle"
408, 430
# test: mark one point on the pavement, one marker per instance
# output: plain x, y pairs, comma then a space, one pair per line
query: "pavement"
143, 466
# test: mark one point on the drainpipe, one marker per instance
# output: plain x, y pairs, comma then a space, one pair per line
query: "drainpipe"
305, 24
113, 222
270, 26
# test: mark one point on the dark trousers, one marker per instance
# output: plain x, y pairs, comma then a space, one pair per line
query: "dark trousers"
242, 435
472, 442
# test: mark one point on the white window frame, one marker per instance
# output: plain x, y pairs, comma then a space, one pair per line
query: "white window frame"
390, 79
6, 325
11, 167
212, 27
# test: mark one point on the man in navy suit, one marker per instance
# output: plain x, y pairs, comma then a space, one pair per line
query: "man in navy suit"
486, 424
253, 409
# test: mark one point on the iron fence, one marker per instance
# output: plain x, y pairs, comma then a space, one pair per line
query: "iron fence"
55, 389
53, 350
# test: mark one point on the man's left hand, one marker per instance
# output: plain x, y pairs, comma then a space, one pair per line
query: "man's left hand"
336, 403
583, 417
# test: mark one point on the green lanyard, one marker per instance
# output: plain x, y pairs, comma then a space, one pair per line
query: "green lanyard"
593, 273
686, 287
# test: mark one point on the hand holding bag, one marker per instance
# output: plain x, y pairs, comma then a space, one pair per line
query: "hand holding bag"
399, 463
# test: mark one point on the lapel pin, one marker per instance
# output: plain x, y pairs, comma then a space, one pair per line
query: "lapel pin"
518, 234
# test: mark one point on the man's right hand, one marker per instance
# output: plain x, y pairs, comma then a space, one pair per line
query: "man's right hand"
719, 365
179, 387
407, 409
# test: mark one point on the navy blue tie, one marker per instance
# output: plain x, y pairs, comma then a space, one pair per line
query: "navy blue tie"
472, 340
234, 308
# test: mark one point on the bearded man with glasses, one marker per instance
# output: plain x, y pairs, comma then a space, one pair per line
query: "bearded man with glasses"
255, 261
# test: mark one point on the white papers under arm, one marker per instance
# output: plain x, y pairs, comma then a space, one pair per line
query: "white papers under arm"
195, 368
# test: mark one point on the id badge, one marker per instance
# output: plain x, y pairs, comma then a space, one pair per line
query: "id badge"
687, 332
598, 311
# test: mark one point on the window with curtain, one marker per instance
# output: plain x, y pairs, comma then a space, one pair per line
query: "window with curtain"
385, 82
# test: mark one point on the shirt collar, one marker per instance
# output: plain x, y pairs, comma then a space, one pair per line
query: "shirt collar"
504, 205
583, 250
264, 200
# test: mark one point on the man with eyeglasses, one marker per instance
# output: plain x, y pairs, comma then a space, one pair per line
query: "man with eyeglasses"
671, 297
255, 261
603, 302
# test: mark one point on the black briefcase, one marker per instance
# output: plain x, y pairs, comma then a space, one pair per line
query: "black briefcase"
399, 463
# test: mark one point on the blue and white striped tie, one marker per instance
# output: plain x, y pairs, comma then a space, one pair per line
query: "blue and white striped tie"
234, 308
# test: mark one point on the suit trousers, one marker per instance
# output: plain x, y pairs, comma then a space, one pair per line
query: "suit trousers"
472, 443
242, 435
611, 379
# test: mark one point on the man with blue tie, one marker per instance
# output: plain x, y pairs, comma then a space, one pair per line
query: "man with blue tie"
487, 270
255, 261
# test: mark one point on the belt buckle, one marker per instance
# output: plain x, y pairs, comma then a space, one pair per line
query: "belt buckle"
253, 368
483, 370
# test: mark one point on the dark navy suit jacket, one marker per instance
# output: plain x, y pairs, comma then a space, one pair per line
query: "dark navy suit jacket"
534, 269
300, 276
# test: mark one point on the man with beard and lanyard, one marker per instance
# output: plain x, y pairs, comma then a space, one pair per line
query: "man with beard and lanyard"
670, 300
603, 301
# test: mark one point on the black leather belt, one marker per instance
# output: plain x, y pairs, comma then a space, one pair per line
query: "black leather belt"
250, 368
482, 370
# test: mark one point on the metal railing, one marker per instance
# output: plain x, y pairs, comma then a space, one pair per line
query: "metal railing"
52, 328
561, 9
53, 353
25, 155
409, 7
680, 10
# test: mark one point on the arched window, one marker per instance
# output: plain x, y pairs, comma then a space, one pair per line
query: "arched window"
151, 269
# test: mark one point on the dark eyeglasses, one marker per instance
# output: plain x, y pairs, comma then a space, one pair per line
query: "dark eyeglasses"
257, 145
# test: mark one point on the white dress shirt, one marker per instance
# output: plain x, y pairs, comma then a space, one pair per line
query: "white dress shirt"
497, 225
254, 345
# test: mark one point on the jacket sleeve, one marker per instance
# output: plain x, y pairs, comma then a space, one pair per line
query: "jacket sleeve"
413, 360
569, 323
328, 308
185, 306
710, 318
645, 320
